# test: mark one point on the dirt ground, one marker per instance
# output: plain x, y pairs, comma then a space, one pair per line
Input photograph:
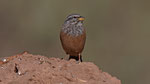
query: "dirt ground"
35, 69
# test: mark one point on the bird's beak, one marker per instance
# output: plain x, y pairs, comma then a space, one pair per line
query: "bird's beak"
81, 19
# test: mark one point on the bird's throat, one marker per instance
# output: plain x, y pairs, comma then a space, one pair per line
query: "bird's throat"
73, 29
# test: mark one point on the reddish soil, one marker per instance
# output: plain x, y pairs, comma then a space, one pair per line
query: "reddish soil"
35, 69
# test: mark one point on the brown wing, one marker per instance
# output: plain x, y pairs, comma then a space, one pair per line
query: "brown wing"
71, 44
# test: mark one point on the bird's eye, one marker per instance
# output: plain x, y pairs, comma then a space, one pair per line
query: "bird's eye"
74, 17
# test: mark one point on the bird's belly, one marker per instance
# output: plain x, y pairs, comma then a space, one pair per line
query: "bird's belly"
73, 45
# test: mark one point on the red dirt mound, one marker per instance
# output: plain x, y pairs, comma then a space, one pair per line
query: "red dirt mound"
35, 69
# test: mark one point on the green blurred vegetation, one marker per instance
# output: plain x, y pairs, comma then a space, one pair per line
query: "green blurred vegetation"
118, 32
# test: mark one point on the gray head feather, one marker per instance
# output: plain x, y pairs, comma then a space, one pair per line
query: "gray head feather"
73, 26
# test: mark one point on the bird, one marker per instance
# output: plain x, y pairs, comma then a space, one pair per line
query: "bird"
73, 36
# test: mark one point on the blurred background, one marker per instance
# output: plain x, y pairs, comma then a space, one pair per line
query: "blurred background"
118, 32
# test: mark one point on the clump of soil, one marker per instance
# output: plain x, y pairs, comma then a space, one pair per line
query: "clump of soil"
35, 69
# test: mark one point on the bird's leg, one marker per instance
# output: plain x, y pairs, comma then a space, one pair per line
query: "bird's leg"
80, 57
